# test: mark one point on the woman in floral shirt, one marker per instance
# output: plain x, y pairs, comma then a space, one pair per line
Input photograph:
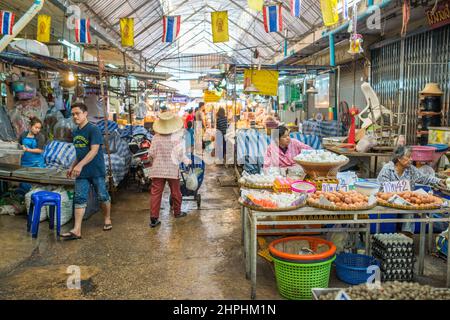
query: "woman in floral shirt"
401, 168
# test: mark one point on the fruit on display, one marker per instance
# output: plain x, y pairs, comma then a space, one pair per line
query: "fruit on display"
272, 200
342, 199
413, 198
320, 156
393, 290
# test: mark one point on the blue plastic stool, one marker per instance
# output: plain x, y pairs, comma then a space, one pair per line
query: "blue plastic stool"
38, 200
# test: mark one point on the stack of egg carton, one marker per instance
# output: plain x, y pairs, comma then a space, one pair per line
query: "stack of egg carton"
395, 252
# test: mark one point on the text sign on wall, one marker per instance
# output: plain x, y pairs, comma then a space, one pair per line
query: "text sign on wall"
441, 15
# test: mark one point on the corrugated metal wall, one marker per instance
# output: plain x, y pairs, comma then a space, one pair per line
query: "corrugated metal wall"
426, 59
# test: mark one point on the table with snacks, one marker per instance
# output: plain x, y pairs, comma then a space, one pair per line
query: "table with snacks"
266, 202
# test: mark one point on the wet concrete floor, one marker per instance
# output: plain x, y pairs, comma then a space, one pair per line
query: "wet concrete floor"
196, 257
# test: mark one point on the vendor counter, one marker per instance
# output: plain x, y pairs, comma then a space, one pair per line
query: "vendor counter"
45, 176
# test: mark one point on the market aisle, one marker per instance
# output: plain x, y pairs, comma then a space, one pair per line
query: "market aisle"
197, 257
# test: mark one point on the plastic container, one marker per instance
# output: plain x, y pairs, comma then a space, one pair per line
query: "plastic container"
440, 150
297, 274
352, 268
387, 227
423, 153
303, 187
367, 188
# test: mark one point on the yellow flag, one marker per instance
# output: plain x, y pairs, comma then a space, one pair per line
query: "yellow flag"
329, 12
43, 28
219, 24
255, 4
127, 31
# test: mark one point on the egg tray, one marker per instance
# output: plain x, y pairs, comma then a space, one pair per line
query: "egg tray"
254, 186
314, 204
262, 209
384, 203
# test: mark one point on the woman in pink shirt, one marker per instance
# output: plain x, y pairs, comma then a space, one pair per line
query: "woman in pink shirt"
166, 153
283, 149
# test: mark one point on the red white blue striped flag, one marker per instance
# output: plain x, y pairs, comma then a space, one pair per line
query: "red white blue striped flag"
171, 28
273, 19
82, 33
6, 22
296, 6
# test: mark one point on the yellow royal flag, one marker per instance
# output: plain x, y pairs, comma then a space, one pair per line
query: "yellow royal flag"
255, 4
43, 28
127, 31
329, 12
266, 81
219, 24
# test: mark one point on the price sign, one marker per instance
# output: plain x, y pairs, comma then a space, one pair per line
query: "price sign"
329, 187
344, 187
397, 186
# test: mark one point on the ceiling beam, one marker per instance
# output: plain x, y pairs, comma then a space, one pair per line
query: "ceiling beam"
138, 9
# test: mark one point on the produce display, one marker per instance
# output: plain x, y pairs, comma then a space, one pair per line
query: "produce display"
270, 200
413, 199
393, 291
320, 156
350, 200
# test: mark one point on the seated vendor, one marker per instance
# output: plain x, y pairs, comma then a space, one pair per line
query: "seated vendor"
283, 149
401, 168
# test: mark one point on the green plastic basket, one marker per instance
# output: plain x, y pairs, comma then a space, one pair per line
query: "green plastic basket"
295, 280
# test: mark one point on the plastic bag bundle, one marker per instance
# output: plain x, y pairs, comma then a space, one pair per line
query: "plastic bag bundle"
18, 122
6, 128
63, 130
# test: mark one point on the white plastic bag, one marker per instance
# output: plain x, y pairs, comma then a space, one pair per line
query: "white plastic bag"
66, 205
366, 143
192, 181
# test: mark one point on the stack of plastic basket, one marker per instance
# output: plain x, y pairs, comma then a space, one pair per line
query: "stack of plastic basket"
301, 263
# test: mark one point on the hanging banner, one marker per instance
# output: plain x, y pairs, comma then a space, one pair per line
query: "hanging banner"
329, 12
6, 22
296, 6
82, 33
43, 28
441, 16
273, 19
266, 81
255, 4
171, 28
210, 96
127, 31
219, 25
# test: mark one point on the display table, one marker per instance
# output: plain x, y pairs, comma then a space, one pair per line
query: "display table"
251, 219
352, 154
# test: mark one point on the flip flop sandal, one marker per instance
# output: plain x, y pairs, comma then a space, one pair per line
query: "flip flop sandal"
107, 227
155, 224
70, 236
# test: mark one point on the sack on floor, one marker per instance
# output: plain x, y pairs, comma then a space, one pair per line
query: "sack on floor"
43, 216
66, 205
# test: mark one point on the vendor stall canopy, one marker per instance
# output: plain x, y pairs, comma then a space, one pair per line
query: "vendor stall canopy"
194, 49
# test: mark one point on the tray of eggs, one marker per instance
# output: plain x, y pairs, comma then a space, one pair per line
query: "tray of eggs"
409, 200
341, 201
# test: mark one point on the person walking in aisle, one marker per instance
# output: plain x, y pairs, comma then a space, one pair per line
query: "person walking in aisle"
88, 169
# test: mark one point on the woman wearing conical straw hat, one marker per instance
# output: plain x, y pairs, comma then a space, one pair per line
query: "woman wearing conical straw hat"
166, 153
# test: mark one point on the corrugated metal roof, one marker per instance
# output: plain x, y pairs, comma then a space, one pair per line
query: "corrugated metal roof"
246, 28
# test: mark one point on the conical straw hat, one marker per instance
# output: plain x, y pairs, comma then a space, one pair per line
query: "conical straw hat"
167, 123
432, 89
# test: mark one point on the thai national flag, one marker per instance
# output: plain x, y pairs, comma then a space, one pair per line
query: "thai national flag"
296, 6
171, 28
82, 33
6, 22
273, 20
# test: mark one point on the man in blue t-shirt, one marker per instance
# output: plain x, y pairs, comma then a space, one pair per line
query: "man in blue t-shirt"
88, 169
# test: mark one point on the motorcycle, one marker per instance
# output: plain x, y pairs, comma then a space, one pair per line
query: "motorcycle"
140, 163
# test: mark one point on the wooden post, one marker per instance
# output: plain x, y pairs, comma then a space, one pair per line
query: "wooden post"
105, 114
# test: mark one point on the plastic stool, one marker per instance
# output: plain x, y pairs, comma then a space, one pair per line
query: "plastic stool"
38, 200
